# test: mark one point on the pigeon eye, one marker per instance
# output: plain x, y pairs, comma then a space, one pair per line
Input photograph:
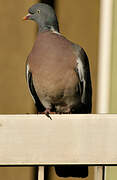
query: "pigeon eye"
38, 11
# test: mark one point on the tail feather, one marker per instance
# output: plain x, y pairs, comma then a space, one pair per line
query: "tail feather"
72, 171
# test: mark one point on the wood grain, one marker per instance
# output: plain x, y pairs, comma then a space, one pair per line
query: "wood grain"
66, 139
41, 173
98, 173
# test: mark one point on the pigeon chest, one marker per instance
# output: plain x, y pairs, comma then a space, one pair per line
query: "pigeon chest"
52, 64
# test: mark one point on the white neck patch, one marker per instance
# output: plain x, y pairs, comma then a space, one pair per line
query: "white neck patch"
54, 31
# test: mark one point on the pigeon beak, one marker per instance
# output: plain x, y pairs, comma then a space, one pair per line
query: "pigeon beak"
26, 17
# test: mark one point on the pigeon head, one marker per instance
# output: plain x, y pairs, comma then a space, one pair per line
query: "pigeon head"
44, 16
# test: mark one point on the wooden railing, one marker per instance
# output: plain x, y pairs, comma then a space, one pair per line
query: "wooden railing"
66, 139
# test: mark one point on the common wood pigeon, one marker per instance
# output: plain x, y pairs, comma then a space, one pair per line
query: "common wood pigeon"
58, 74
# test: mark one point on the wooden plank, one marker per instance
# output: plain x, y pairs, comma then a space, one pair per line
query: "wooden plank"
66, 139
98, 173
41, 173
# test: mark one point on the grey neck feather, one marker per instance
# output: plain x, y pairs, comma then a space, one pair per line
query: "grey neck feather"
48, 27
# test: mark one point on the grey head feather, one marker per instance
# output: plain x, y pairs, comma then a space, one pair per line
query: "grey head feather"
44, 16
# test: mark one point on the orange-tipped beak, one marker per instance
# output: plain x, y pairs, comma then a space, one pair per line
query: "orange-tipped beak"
26, 17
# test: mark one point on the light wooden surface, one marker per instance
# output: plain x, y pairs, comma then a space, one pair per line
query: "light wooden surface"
104, 56
41, 173
98, 173
66, 139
